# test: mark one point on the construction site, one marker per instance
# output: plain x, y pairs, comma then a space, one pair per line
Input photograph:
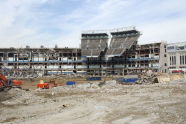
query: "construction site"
109, 79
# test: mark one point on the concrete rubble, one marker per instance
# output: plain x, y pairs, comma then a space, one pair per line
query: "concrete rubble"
22, 97
147, 79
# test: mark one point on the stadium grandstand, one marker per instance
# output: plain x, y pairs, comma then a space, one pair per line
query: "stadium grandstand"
102, 56
121, 41
92, 44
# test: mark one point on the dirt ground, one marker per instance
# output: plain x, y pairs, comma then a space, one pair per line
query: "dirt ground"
61, 81
95, 102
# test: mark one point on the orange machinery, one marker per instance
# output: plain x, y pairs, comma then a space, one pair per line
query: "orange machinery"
46, 85
43, 85
7, 83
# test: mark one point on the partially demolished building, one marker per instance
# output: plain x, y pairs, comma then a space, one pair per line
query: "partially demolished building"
116, 52
103, 52
25, 62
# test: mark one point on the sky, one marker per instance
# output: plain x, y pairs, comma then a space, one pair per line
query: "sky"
61, 22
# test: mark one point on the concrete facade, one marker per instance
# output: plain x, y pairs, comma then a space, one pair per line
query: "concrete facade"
176, 57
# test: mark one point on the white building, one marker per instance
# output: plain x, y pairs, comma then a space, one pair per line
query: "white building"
176, 57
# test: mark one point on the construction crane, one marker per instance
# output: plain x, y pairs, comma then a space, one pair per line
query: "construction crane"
8, 83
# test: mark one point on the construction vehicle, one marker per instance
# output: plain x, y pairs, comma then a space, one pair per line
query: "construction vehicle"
46, 85
8, 83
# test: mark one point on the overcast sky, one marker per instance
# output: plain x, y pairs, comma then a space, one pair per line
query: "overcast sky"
50, 22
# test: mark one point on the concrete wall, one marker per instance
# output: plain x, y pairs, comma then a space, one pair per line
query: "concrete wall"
163, 58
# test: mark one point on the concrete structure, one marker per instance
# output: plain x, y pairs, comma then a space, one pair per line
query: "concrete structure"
119, 54
148, 57
40, 61
107, 50
176, 57
103, 52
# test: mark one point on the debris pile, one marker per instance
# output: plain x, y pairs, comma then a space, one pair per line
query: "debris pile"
148, 79
22, 97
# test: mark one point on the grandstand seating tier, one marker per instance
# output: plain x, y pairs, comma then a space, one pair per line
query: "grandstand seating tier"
93, 47
119, 45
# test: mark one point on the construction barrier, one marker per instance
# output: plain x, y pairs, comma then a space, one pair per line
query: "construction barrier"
94, 78
127, 80
70, 83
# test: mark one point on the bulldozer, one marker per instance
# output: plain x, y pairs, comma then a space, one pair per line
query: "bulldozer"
8, 83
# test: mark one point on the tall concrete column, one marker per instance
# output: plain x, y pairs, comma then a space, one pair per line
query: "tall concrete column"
177, 60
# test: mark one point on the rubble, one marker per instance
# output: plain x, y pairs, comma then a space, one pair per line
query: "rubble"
22, 97
103, 101
148, 78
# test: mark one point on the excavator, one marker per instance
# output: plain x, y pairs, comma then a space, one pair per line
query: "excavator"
8, 83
